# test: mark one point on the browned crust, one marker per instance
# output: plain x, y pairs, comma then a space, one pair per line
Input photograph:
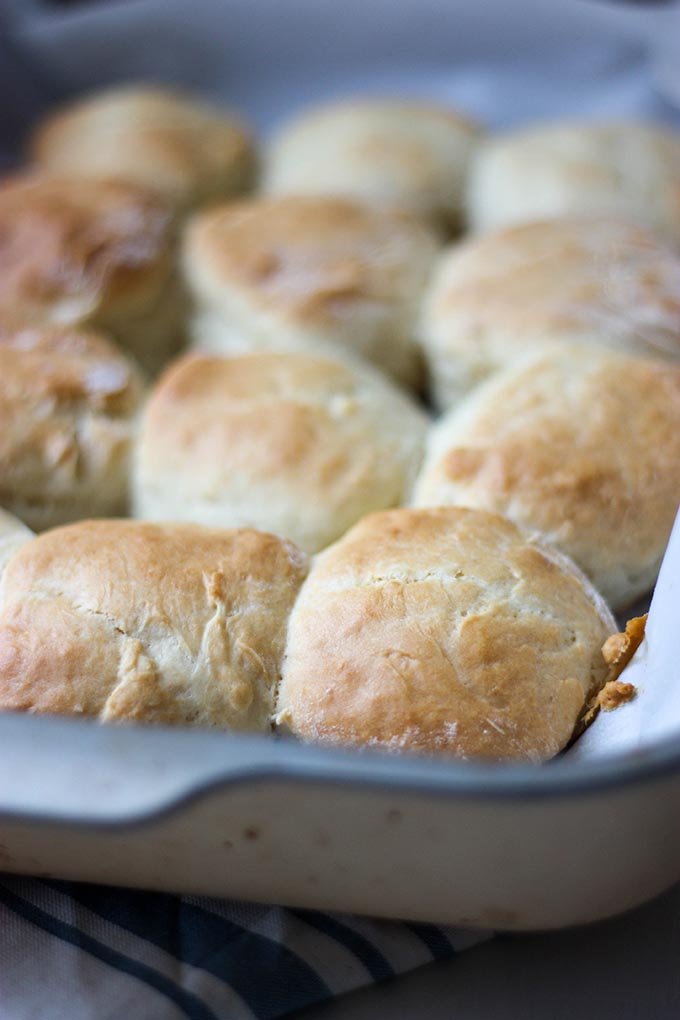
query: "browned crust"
617, 652
581, 445
443, 631
87, 242
185, 149
305, 256
614, 694
124, 620
68, 400
619, 649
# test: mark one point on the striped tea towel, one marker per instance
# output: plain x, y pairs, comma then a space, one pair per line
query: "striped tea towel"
84, 952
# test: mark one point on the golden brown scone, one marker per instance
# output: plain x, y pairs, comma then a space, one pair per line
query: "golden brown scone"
580, 168
189, 152
581, 445
99, 254
292, 443
68, 402
595, 280
137, 622
309, 274
387, 152
443, 631
13, 534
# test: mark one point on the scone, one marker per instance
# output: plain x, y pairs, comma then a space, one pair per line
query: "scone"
68, 402
133, 622
598, 281
189, 152
580, 445
291, 443
309, 274
13, 534
443, 631
395, 153
100, 254
628, 169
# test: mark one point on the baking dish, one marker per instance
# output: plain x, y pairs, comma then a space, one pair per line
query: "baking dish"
515, 848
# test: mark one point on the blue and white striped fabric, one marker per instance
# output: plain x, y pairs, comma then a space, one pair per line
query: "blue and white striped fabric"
80, 952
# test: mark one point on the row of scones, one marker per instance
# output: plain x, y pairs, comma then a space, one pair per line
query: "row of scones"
462, 569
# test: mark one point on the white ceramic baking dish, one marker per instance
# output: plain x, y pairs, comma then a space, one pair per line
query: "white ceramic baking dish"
270, 820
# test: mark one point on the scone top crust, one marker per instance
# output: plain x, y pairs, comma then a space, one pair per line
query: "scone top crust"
69, 247
625, 168
69, 368
292, 443
310, 260
165, 141
581, 445
313, 274
145, 622
597, 280
67, 400
443, 631
405, 154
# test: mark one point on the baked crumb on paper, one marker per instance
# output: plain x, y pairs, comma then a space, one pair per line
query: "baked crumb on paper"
619, 649
614, 694
617, 652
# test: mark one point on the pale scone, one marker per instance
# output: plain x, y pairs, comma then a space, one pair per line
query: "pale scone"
309, 274
567, 168
183, 148
292, 443
68, 403
443, 631
593, 280
578, 444
99, 254
391, 153
133, 622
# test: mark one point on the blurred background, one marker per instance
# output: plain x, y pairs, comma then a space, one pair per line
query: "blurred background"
502, 60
